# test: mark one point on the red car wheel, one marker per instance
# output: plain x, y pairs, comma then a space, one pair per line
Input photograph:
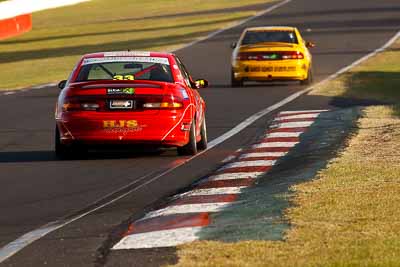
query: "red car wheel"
191, 147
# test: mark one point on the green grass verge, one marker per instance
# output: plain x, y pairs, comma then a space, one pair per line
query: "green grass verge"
377, 79
60, 36
349, 214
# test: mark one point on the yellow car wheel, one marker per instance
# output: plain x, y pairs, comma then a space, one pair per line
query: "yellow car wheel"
309, 78
235, 82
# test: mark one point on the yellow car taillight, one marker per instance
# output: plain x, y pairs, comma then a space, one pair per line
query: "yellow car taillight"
260, 56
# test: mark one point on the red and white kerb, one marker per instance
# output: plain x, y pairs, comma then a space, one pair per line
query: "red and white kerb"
184, 217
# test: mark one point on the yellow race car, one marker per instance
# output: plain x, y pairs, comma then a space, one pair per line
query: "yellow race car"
271, 54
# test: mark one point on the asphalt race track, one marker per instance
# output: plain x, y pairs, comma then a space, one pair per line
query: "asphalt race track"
37, 189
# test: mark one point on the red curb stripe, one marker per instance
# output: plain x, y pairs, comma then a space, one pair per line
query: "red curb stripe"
169, 222
258, 158
279, 139
246, 169
287, 130
205, 199
226, 183
295, 120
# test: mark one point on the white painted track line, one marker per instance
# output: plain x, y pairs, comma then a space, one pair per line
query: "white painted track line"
275, 144
10, 92
188, 208
283, 134
262, 154
158, 239
26, 239
41, 86
233, 176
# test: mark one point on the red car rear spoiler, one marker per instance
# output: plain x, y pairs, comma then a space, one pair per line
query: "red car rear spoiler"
120, 85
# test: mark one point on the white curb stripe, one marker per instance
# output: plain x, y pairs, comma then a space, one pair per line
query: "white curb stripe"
303, 111
9, 93
188, 208
283, 134
275, 144
213, 191
295, 124
158, 239
300, 116
233, 176
263, 154
253, 163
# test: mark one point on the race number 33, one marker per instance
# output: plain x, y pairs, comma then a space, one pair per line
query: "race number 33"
124, 77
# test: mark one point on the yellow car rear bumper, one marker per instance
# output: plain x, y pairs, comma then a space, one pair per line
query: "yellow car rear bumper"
271, 70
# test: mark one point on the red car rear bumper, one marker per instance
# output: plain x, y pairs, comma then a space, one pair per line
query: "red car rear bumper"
167, 128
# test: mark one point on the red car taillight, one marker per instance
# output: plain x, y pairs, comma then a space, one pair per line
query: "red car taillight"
167, 102
270, 55
71, 104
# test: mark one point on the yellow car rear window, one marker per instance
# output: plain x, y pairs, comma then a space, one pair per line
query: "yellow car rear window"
254, 37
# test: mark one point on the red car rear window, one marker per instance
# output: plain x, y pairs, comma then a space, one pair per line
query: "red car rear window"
125, 68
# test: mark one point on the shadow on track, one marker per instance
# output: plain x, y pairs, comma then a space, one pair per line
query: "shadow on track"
41, 156
255, 85
27, 156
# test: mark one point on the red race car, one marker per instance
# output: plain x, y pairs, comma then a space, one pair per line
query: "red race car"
130, 97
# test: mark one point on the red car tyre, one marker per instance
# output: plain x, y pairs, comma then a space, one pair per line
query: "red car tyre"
191, 147
72, 151
202, 144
